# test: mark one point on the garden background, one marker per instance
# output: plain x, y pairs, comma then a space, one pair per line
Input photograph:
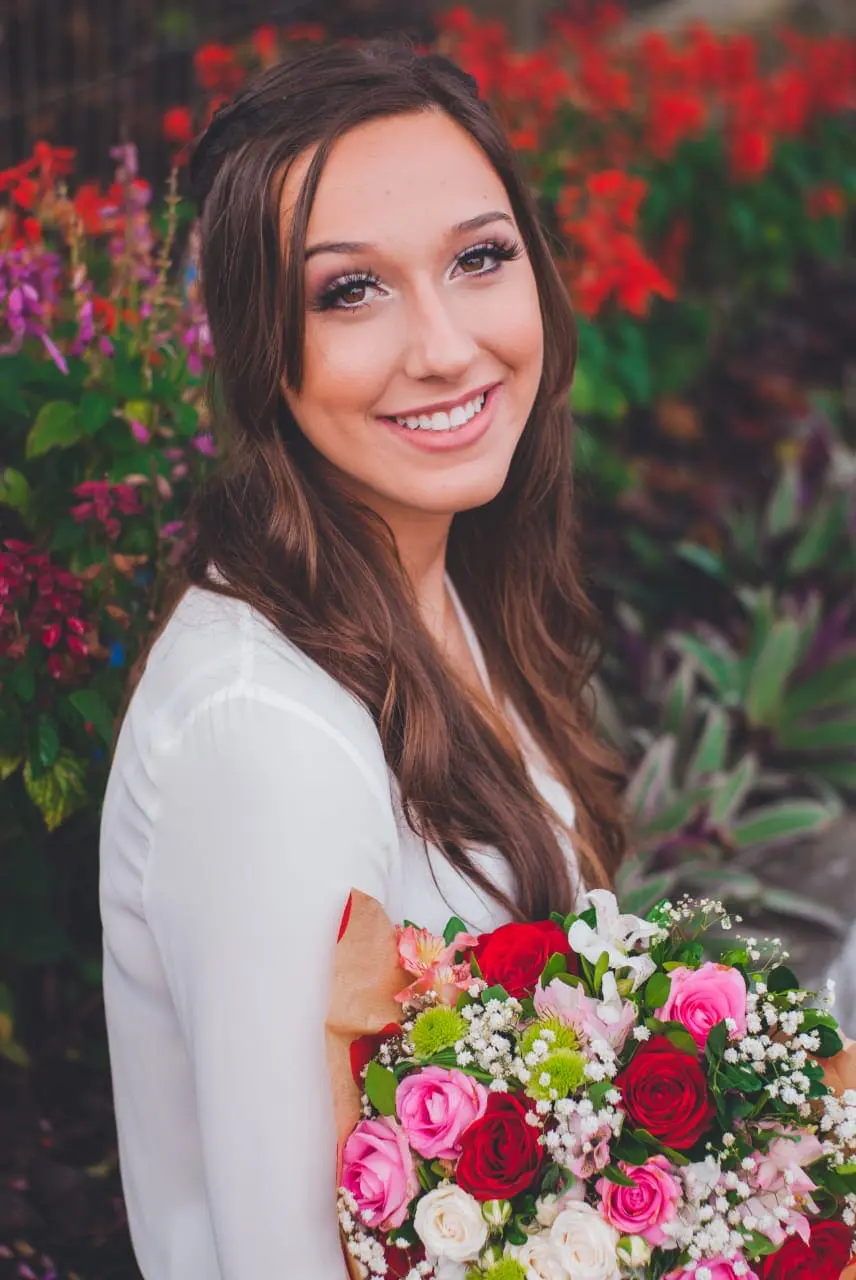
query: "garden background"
699, 185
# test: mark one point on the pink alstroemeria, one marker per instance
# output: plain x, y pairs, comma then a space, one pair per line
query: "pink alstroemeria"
432, 961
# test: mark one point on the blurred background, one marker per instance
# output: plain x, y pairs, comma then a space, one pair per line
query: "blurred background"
695, 166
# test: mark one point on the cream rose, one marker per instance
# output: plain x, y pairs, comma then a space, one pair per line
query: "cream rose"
585, 1244
539, 1259
450, 1224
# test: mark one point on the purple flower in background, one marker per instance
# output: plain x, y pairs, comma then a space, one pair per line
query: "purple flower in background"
28, 299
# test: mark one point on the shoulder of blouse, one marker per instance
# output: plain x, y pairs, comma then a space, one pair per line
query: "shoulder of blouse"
216, 650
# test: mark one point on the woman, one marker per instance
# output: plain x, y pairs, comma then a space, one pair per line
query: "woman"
376, 674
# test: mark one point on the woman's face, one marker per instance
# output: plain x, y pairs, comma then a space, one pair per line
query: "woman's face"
424, 340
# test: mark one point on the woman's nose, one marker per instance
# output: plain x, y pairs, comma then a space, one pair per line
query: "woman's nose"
438, 344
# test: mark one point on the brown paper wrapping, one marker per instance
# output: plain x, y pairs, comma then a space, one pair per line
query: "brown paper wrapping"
366, 978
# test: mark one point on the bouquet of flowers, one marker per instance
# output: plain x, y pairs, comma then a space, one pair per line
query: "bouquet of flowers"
589, 1098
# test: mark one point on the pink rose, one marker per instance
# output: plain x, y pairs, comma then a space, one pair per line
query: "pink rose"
642, 1210
377, 1169
435, 1106
718, 1269
699, 998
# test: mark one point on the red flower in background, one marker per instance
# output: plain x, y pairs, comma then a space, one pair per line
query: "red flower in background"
673, 116
40, 602
105, 503
265, 42
177, 125
750, 153
217, 68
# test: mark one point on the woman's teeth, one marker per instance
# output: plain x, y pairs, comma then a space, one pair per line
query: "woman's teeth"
457, 417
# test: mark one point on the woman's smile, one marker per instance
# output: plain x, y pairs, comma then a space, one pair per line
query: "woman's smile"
451, 425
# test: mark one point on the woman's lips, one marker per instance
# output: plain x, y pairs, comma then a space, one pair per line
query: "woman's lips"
455, 437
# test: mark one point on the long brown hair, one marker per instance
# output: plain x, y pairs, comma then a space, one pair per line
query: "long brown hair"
324, 569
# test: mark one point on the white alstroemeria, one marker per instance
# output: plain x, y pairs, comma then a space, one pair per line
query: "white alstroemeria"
450, 1224
539, 1259
616, 934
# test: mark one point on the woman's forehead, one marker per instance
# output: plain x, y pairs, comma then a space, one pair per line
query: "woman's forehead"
397, 180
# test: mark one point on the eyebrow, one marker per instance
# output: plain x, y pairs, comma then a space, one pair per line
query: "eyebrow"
362, 246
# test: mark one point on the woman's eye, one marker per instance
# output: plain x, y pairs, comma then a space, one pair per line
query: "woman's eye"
349, 293
353, 294
484, 259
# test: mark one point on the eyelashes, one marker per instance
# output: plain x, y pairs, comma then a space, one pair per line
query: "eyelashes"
339, 293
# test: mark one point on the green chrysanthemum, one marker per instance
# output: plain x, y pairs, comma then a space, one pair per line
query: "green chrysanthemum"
562, 1037
565, 1071
507, 1269
437, 1029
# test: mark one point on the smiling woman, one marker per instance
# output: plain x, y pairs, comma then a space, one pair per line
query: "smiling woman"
374, 670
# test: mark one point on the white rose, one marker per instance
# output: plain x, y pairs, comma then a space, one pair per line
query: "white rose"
450, 1224
585, 1244
539, 1259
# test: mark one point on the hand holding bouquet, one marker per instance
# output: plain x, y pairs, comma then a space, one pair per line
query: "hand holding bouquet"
588, 1098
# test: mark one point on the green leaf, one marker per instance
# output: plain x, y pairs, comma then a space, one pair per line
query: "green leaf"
95, 411
60, 791
819, 539
830, 1042
598, 1091
556, 964
802, 907
630, 1149
8, 765
380, 1087
829, 735
93, 708
702, 558
780, 823
717, 1041
657, 990
682, 1040
782, 979
613, 1174
733, 790
719, 669
22, 681
783, 509
14, 489
710, 753
452, 929
600, 970
56, 426
676, 699
833, 684
771, 672
46, 741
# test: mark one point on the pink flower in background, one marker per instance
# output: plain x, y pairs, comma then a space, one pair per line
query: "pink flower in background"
643, 1209
377, 1169
435, 1106
105, 502
700, 998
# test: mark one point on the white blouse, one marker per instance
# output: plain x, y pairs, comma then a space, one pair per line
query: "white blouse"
248, 794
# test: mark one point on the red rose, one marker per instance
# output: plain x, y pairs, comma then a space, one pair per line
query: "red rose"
514, 955
665, 1091
500, 1155
364, 1049
823, 1258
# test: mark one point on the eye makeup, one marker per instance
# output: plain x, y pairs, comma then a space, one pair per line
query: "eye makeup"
337, 293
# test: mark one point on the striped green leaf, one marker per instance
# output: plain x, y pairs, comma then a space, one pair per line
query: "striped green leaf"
834, 683
829, 735
730, 794
771, 671
719, 669
777, 824
710, 754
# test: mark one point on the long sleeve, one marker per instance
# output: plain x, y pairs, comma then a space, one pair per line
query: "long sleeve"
267, 817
